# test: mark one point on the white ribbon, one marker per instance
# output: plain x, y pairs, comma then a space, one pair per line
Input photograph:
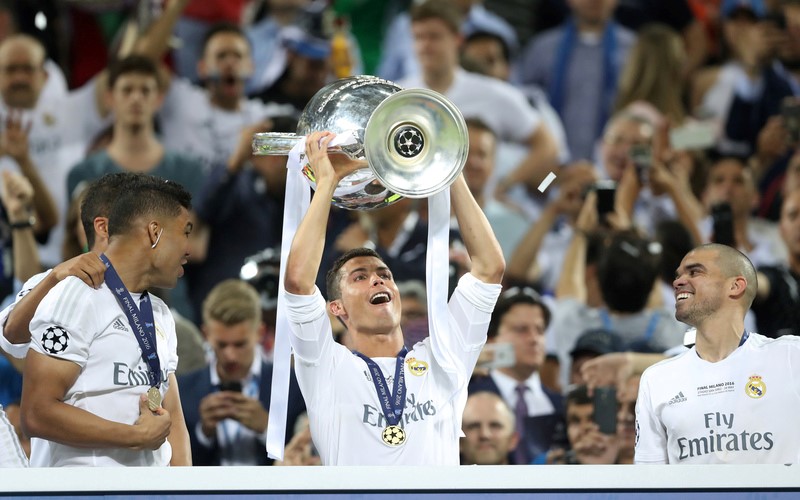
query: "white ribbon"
298, 197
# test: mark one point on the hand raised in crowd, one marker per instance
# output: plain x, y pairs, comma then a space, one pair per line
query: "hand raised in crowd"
612, 369
14, 137
244, 149
87, 267
594, 447
153, 426
16, 194
587, 218
298, 451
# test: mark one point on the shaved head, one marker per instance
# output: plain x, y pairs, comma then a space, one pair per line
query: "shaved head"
26, 42
734, 263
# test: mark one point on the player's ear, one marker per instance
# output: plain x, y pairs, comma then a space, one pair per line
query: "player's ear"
738, 287
336, 308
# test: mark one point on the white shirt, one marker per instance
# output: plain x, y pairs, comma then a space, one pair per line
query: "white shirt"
497, 103
191, 125
739, 410
88, 327
11, 452
19, 351
61, 131
536, 400
345, 413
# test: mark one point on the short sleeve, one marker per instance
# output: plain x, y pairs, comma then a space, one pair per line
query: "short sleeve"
18, 350
63, 321
651, 437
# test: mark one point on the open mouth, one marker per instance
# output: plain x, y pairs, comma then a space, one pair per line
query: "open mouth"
683, 296
380, 298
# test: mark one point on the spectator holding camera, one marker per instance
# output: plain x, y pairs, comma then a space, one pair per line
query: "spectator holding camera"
226, 402
588, 445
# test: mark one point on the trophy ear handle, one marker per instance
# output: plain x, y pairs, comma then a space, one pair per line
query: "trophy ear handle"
416, 142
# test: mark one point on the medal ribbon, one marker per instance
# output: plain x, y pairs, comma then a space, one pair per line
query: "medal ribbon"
141, 321
392, 406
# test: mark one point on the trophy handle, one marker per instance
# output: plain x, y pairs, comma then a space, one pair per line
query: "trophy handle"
281, 143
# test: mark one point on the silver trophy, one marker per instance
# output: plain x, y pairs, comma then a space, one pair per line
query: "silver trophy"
415, 141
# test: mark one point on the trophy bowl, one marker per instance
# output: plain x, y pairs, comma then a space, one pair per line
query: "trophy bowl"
414, 141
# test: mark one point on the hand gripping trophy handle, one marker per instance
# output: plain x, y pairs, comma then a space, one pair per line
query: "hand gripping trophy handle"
415, 141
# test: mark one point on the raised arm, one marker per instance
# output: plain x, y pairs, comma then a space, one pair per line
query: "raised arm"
305, 254
488, 264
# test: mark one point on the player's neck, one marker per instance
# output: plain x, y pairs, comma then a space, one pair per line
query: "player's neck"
378, 345
440, 81
518, 373
718, 337
129, 264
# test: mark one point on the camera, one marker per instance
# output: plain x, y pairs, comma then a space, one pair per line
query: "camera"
606, 192
722, 217
232, 386
642, 157
790, 112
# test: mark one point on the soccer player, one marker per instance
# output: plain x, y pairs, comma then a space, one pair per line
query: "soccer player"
383, 404
103, 359
731, 397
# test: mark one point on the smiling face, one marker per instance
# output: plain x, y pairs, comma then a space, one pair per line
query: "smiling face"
370, 302
699, 287
172, 250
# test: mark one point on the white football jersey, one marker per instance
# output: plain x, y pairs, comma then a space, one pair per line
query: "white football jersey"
345, 412
18, 350
737, 411
77, 323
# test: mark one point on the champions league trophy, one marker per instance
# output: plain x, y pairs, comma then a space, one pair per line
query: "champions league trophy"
415, 141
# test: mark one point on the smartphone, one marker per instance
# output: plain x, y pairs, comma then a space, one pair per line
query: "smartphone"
693, 136
722, 217
790, 112
606, 192
642, 157
497, 355
233, 386
605, 409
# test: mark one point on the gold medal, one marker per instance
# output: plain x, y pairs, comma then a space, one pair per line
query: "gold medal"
393, 435
153, 398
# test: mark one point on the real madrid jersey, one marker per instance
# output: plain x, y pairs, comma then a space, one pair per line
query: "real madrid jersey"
739, 410
18, 350
87, 326
347, 422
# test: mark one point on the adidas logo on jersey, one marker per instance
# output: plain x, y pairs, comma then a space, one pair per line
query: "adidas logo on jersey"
678, 398
119, 325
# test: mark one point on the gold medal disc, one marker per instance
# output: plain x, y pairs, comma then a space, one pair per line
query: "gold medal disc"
393, 435
153, 398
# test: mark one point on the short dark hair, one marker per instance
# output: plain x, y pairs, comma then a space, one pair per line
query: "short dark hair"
478, 124
479, 36
332, 278
101, 194
443, 10
162, 197
510, 298
733, 262
222, 27
627, 270
137, 64
578, 395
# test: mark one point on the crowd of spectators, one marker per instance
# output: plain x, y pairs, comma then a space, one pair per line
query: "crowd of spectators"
666, 127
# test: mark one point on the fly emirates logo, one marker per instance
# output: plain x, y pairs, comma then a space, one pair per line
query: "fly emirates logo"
413, 412
721, 438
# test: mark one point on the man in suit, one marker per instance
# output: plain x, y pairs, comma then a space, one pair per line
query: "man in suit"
227, 402
521, 318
